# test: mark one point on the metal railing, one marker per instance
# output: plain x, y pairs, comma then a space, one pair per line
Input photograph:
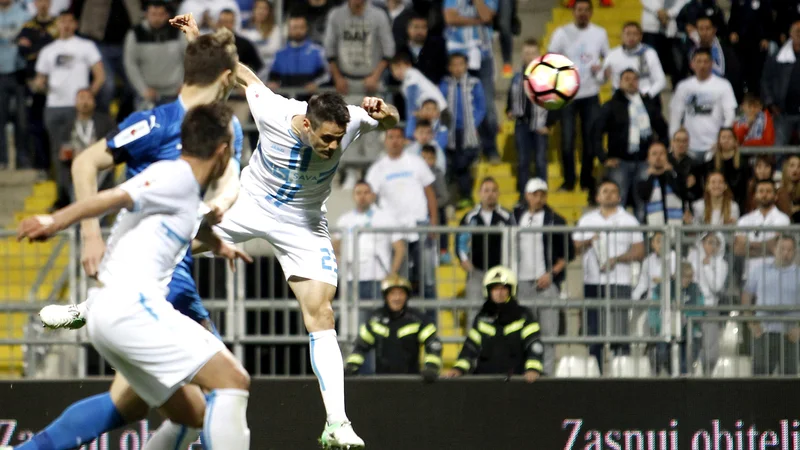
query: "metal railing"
257, 316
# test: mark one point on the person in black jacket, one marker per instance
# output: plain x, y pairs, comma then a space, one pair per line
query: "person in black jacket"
624, 159
542, 260
751, 26
428, 52
479, 251
504, 338
661, 189
396, 331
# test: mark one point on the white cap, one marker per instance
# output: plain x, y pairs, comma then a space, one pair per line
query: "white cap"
535, 184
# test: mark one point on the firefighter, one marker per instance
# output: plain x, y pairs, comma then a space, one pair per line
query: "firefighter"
396, 332
504, 338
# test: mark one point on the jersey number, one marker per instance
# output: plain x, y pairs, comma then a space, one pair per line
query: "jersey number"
326, 258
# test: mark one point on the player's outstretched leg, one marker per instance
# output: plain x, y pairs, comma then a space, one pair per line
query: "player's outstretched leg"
87, 419
326, 360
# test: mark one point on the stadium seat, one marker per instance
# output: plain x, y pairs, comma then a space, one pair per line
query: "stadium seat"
577, 366
733, 367
630, 367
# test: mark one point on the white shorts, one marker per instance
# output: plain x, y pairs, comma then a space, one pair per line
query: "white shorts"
304, 249
155, 347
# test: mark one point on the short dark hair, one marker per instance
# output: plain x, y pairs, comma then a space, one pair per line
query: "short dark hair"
428, 148
699, 18
457, 55
397, 128
204, 128
401, 57
489, 179
296, 17
364, 182
634, 24
422, 123
161, 4
327, 107
228, 11
531, 42
588, 2
702, 51
418, 16
628, 70
208, 56
787, 237
768, 181
430, 100
607, 181
67, 12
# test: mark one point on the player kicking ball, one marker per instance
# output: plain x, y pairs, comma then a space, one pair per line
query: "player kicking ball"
130, 323
283, 196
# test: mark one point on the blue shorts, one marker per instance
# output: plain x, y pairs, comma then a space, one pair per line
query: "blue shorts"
184, 297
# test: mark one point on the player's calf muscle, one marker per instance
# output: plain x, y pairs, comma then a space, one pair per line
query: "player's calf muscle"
129, 405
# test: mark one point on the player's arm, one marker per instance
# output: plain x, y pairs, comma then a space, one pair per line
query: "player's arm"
223, 192
210, 241
364, 343
39, 228
385, 114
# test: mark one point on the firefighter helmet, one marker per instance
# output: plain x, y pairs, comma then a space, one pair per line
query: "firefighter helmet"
500, 275
395, 281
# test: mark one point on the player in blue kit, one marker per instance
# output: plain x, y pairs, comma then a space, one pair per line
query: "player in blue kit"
142, 139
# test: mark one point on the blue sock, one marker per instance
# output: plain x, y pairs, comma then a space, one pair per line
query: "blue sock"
81, 423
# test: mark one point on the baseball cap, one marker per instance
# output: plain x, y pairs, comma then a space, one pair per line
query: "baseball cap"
535, 184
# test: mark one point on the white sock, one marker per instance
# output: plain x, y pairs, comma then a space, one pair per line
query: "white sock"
83, 308
171, 436
326, 360
225, 424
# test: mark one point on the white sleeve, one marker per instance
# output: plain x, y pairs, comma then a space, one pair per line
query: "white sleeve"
636, 237
43, 63
659, 80
729, 106
264, 103
92, 54
652, 6
424, 173
159, 189
555, 43
676, 107
360, 118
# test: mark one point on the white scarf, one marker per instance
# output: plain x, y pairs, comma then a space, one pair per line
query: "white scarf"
638, 123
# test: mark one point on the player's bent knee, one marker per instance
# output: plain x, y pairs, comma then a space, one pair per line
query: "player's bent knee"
222, 371
320, 318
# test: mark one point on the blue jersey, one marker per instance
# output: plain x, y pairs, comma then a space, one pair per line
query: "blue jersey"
145, 137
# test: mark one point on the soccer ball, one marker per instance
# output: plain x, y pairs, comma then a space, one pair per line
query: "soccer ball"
551, 81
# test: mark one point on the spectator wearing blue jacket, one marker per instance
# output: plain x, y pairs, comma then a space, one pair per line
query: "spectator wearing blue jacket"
301, 63
12, 18
467, 106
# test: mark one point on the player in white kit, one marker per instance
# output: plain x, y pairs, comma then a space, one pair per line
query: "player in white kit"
282, 200
158, 349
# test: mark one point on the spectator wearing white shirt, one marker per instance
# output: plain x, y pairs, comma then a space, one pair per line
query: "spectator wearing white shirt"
607, 259
542, 260
379, 254
758, 246
652, 271
586, 44
403, 183
703, 104
642, 58
660, 30
62, 69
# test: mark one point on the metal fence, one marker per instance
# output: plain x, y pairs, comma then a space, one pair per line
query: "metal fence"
622, 320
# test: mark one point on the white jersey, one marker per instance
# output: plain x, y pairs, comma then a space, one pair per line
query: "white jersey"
148, 242
283, 171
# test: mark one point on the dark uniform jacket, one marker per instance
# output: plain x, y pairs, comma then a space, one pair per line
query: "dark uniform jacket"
396, 339
504, 339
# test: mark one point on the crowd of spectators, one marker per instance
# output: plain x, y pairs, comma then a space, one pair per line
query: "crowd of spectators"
690, 89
